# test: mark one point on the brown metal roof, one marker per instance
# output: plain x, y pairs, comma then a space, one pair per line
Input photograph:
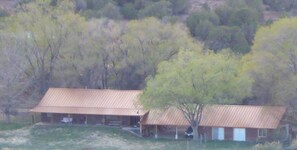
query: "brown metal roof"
170, 116
236, 116
90, 101
242, 116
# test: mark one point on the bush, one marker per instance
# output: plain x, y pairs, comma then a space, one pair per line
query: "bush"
281, 5
179, 6
3, 13
224, 13
203, 28
111, 11
268, 146
156, 9
128, 11
227, 37
196, 18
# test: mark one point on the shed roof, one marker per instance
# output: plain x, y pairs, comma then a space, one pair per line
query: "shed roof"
236, 116
169, 116
91, 101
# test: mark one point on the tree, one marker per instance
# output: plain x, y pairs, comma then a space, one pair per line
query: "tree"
179, 6
197, 18
156, 9
111, 11
150, 42
14, 78
47, 32
227, 37
193, 80
120, 54
273, 65
129, 11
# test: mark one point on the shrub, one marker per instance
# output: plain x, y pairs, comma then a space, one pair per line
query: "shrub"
281, 5
179, 6
156, 9
128, 11
268, 146
111, 11
196, 18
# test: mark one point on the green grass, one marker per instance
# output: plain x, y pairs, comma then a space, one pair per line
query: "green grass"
97, 138
11, 126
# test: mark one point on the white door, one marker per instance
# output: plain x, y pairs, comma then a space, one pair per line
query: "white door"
218, 133
239, 134
221, 134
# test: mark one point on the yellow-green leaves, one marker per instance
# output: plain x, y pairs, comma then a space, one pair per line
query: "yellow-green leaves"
273, 62
195, 78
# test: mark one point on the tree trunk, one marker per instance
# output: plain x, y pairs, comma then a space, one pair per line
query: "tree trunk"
195, 132
7, 117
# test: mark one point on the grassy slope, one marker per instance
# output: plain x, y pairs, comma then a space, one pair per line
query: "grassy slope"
90, 137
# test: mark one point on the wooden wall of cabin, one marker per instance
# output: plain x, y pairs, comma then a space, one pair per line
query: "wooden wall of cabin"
91, 119
251, 134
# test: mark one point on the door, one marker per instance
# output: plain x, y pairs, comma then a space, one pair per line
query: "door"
218, 134
239, 134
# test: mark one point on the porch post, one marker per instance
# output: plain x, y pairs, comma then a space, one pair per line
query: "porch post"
140, 129
33, 118
156, 131
86, 121
176, 133
287, 131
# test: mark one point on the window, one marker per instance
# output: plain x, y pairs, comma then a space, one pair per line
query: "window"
262, 132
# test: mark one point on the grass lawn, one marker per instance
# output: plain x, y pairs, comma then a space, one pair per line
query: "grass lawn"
11, 126
96, 138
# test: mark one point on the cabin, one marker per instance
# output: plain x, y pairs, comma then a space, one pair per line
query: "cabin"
90, 106
122, 108
218, 122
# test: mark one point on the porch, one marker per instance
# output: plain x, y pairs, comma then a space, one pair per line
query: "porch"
111, 120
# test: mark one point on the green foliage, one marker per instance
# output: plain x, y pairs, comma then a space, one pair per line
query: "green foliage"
217, 77
203, 29
96, 4
121, 55
156, 9
193, 80
224, 12
20, 2
227, 37
128, 11
228, 26
268, 146
272, 64
131, 9
179, 6
242, 16
111, 11
3, 13
45, 32
281, 5
197, 19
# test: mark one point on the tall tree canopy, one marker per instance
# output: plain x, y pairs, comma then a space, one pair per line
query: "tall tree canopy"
273, 64
121, 55
46, 32
193, 80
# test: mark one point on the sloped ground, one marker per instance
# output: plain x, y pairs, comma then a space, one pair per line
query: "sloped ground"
93, 138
